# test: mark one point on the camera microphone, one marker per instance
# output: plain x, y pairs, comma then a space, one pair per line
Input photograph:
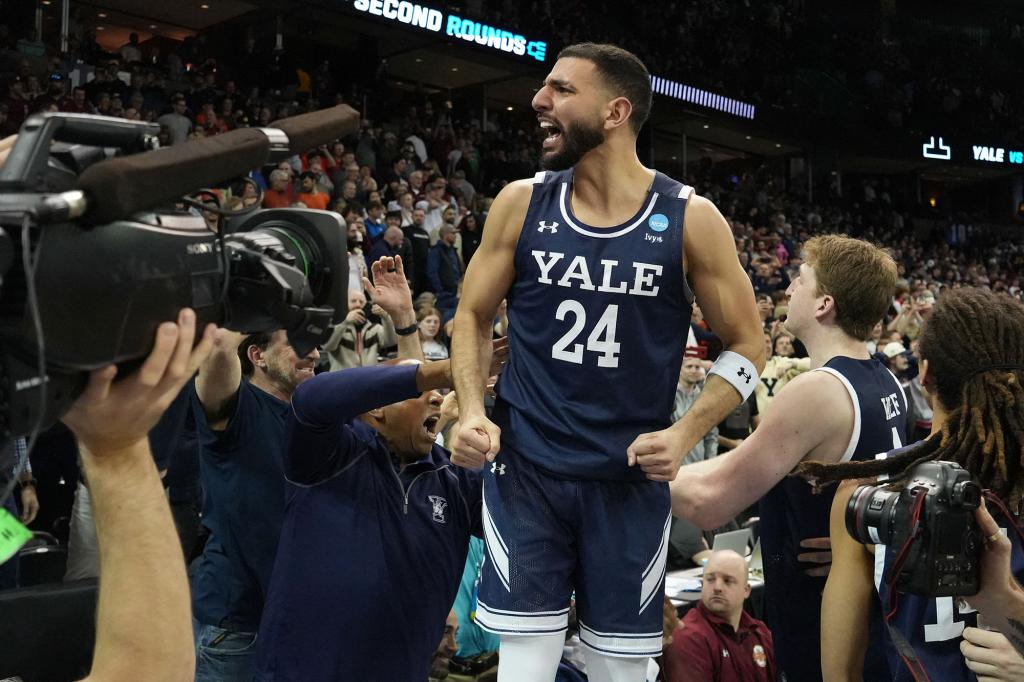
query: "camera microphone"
119, 187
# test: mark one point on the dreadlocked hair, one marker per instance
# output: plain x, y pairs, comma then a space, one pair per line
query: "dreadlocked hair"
974, 344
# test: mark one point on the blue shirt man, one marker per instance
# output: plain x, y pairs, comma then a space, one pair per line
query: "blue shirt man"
240, 425
376, 530
444, 270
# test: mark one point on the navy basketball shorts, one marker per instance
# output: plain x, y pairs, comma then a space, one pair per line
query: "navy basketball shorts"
546, 537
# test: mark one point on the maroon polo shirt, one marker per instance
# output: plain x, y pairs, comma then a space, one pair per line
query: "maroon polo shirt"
707, 649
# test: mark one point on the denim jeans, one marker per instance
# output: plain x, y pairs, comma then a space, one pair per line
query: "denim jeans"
224, 655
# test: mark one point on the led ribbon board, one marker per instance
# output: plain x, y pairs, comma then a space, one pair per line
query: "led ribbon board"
450, 24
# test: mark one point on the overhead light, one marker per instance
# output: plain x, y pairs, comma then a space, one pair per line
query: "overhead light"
673, 158
418, 60
706, 126
455, 68
398, 82
204, 6
777, 145
509, 108
46, 2
748, 137
100, 28
152, 25
102, 15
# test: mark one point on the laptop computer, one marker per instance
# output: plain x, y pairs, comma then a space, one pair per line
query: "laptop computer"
736, 540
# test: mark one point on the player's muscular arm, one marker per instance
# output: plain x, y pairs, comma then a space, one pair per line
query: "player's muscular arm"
486, 283
845, 604
712, 492
219, 377
726, 298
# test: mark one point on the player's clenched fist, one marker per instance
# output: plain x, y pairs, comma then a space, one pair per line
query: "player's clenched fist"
477, 442
658, 453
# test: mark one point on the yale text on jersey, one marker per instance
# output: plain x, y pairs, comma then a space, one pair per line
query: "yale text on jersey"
609, 276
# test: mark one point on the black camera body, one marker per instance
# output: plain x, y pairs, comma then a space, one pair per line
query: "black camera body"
939, 555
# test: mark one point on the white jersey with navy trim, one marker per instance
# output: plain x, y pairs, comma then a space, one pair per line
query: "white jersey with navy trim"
598, 321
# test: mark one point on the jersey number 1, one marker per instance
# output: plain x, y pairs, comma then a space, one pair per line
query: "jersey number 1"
601, 339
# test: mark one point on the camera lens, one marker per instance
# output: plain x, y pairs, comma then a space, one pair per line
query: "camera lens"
869, 514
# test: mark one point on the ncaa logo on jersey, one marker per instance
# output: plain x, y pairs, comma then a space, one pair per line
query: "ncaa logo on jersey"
545, 225
658, 222
760, 657
440, 505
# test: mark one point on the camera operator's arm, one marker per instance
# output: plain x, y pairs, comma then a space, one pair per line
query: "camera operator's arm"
219, 378
144, 613
1001, 598
846, 602
390, 290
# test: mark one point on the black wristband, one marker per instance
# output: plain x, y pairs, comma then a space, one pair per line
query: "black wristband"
406, 331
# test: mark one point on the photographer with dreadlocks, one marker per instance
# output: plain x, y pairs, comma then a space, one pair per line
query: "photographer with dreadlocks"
972, 366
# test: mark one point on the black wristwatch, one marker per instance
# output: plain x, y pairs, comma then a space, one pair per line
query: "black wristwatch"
406, 331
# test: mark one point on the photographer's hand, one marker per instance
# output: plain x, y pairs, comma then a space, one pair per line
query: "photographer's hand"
990, 655
821, 561
148, 611
1000, 599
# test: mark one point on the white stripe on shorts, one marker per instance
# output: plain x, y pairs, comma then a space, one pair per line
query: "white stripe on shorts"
655, 571
622, 643
497, 550
513, 622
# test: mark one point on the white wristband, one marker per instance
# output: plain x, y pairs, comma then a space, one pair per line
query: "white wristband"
737, 370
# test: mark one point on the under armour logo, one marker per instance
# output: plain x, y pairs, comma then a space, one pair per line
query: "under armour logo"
498, 469
544, 225
439, 504
743, 373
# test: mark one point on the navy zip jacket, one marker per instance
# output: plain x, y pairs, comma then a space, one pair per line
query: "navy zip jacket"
370, 557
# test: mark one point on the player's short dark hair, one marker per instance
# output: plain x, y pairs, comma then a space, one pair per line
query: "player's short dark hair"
623, 73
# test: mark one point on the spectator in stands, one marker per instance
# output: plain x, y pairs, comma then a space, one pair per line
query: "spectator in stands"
420, 240
393, 243
361, 338
718, 640
176, 121
243, 394
440, 663
898, 363
131, 52
445, 272
429, 320
77, 104
280, 194
470, 233
765, 308
357, 267
691, 377
323, 181
310, 195
375, 224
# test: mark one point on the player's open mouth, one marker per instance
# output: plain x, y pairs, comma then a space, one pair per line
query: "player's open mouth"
554, 134
430, 426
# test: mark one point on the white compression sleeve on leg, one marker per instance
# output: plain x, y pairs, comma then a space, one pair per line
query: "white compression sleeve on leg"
603, 668
530, 657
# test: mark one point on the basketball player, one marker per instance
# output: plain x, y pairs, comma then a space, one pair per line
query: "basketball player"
600, 259
848, 407
972, 363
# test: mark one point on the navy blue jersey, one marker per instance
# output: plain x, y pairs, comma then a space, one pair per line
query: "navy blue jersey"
934, 626
598, 319
791, 512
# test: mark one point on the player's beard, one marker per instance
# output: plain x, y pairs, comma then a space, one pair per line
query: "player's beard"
578, 138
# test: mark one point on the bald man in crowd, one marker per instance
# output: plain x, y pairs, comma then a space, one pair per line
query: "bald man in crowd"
719, 641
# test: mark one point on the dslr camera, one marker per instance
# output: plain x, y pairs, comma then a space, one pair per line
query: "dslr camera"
928, 524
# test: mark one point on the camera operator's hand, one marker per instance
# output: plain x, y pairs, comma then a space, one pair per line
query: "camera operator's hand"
990, 656
821, 560
29, 504
390, 290
111, 417
5, 147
